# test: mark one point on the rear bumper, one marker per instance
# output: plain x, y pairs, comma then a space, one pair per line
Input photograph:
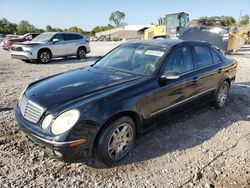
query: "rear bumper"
59, 149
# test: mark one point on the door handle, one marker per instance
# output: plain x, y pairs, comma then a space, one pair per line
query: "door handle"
219, 70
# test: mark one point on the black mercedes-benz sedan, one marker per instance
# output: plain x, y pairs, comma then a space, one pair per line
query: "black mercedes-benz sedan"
96, 112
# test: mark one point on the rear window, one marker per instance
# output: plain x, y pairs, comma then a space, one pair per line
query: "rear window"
203, 56
216, 57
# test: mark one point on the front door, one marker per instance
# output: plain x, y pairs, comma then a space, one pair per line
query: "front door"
176, 92
58, 47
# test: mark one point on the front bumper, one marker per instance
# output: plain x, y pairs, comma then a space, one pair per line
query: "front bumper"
5, 47
22, 55
61, 149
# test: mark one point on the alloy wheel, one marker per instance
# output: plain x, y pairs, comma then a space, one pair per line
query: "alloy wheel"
222, 95
120, 141
81, 54
45, 57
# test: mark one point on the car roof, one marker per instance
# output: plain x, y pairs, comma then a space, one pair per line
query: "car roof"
63, 33
167, 42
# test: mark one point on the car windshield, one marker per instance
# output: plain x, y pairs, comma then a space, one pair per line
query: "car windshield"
45, 37
141, 59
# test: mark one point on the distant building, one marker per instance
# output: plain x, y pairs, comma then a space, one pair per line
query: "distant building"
125, 33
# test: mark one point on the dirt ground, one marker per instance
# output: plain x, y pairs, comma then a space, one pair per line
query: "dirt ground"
204, 148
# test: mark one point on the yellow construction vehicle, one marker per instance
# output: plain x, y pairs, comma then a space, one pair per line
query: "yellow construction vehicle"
168, 26
244, 33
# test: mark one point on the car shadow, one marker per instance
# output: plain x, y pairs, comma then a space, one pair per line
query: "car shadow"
71, 60
190, 129
5, 109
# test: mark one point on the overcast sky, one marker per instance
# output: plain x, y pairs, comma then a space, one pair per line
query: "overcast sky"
87, 14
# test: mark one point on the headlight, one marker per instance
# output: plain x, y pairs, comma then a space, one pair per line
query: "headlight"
47, 120
65, 121
20, 97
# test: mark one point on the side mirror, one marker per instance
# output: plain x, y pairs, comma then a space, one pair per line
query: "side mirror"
55, 40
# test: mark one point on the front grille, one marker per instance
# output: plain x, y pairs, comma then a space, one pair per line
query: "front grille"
30, 110
13, 48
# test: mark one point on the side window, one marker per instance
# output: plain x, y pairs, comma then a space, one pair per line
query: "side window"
203, 56
77, 37
68, 37
59, 37
72, 37
216, 58
181, 61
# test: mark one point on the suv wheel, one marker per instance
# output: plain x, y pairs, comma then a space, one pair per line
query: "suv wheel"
81, 54
116, 141
44, 56
221, 95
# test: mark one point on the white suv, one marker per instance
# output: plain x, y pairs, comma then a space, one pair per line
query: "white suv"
51, 44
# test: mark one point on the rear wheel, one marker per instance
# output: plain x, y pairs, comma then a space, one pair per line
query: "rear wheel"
44, 56
221, 95
116, 141
81, 53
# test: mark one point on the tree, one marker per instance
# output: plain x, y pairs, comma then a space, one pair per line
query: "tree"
7, 27
74, 29
25, 27
102, 28
229, 20
117, 17
244, 20
49, 28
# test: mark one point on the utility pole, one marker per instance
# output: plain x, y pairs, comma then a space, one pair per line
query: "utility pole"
239, 18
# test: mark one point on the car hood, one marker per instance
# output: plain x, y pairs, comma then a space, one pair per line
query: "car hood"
28, 43
62, 88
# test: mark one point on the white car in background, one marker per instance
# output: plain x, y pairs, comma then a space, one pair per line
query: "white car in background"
51, 44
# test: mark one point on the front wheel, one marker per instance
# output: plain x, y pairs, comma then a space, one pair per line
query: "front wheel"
116, 141
44, 56
221, 95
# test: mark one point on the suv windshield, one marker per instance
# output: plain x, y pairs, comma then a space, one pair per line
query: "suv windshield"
45, 37
139, 59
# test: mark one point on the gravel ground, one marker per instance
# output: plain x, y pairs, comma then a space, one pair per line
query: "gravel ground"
204, 148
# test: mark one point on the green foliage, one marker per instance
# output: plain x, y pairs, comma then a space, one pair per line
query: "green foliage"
7, 27
102, 28
25, 27
229, 20
244, 21
74, 29
51, 29
117, 17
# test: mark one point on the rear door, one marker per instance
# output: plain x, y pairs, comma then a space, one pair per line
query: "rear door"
70, 43
209, 66
177, 92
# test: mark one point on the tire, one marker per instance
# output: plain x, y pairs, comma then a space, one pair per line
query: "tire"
112, 144
44, 56
81, 53
221, 95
